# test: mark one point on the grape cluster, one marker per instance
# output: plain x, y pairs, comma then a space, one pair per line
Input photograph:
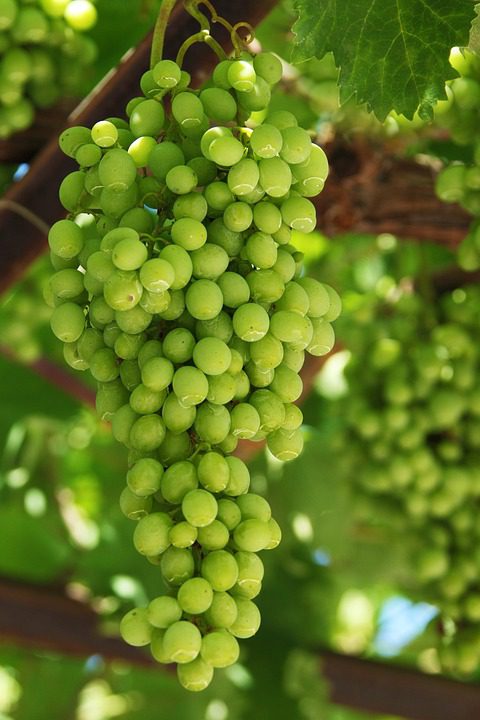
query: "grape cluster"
43, 55
459, 181
413, 441
178, 287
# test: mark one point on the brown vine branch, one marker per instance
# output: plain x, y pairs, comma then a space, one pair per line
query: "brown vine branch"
371, 190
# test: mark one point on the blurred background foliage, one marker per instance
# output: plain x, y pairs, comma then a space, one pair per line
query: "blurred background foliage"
334, 582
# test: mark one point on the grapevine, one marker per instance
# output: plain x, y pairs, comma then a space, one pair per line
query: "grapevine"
177, 285
43, 56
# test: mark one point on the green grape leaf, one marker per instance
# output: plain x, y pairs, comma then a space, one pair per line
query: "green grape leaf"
392, 54
474, 42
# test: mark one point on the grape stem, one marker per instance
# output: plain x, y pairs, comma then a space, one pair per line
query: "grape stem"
160, 30
201, 36
27, 214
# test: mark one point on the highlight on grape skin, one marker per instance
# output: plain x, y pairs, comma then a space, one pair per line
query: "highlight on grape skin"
187, 301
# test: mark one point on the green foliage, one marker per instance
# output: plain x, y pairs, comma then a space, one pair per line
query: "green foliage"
391, 55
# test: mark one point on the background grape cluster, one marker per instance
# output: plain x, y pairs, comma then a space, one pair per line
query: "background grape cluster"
176, 284
413, 437
43, 56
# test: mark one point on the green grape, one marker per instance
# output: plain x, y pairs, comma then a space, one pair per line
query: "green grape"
67, 322
252, 535
187, 109
220, 569
104, 134
239, 481
212, 423
204, 299
183, 535
248, 619
166, 73
238, 216
226, 151
243, 177
147, 118
267, 353
335, 307
286, 384
221, 389
163, 158
218, 196
193, 205
255, 507
213, 472
139, 219
123, 290
67, 284
156, 275
151, 534
266, 286
147, 433
296, 146
195, 596
176, 416
258, 98
245, 421
133, 506
129, 254
80, 14
241, 75
209, 261
204, 169
275, 176
219, 649
218, 104
234, 289
177, 565
250, 575
199, 507
143, 401
212, 356
268, 66
65, 239
270, 408
195, 675
177, 480
281, 119
188, 233
250, 322
182, 642
181, 263
135, 628
299, 214
228, 513
117, 170
8, 13
190, 385
222, 612
163, 611
178, 345
214, 536
157, 373
261, 250
275, 533
181, 180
